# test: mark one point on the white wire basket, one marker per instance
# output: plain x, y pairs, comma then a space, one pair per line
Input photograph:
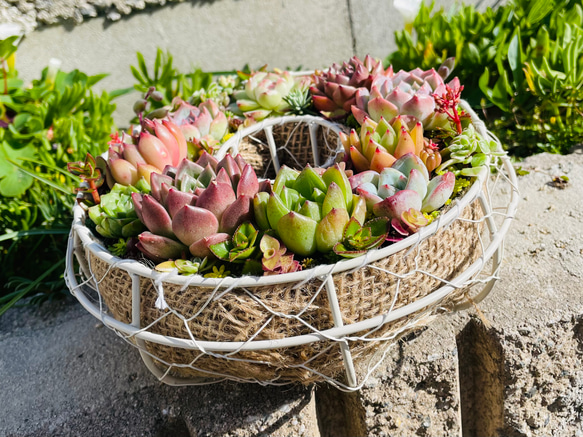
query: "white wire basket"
329, 323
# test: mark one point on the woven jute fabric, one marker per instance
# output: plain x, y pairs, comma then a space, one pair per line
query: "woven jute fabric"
237, 315
291, 140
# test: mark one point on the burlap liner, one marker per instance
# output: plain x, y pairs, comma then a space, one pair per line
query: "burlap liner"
292, 140
236, 316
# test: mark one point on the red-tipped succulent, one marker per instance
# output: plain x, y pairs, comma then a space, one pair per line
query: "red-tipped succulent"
203, 126
406, 93
403, 192
127, 162
194, 206
334, 90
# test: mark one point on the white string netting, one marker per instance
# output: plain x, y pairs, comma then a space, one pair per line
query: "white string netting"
338, 325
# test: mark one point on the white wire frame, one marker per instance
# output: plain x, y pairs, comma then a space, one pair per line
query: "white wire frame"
81, 239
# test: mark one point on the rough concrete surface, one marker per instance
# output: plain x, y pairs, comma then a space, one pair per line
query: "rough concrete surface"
416, 391
64, 374
535, 311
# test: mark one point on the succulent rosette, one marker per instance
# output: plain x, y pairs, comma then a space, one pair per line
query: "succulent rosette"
380, 144
310, 210
194, 206
403, 192
203, 126
335, 90
406, 93
127, 162
115, 216
264, 95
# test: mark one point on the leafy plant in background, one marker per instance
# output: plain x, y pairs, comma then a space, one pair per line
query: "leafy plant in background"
167, 80
57, 119
522, 64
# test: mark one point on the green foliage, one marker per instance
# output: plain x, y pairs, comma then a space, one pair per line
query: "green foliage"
168, 80
521, 64
57, 119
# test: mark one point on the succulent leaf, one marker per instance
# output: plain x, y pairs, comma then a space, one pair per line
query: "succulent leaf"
298, 233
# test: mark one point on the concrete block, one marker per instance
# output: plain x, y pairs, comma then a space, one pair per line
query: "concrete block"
523, 376
64, 374
214, 36
413, 392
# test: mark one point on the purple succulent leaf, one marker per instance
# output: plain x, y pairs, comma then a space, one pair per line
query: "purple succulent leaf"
362, 97
408, 162
232, 168
419, 106
201, 249
446, 68
369, 198
186, 166
241, 210
159, 248
386, 190
156, 218
206, 159
216, 198
439, 190
177, 199
156, 181
191, 223
398, 98
393, 207
137, 199
393, 177
203, 122
240, 162
362, 177
190, 132
223, 177
380, 107
417, 183
248, 184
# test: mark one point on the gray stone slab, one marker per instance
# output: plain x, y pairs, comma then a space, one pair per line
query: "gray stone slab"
413, 392
65, 374
530, 362
214, 36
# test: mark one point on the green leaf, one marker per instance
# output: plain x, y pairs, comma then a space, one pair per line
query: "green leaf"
221, 250
8, 47
120, 92
138, 76
515, 59
92, 80
471, 53
8, 154
143, 68
500, 93
539, 9
50, 183
30, 287
15, 183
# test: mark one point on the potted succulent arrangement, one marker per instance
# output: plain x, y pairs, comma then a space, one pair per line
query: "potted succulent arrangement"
221, 256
